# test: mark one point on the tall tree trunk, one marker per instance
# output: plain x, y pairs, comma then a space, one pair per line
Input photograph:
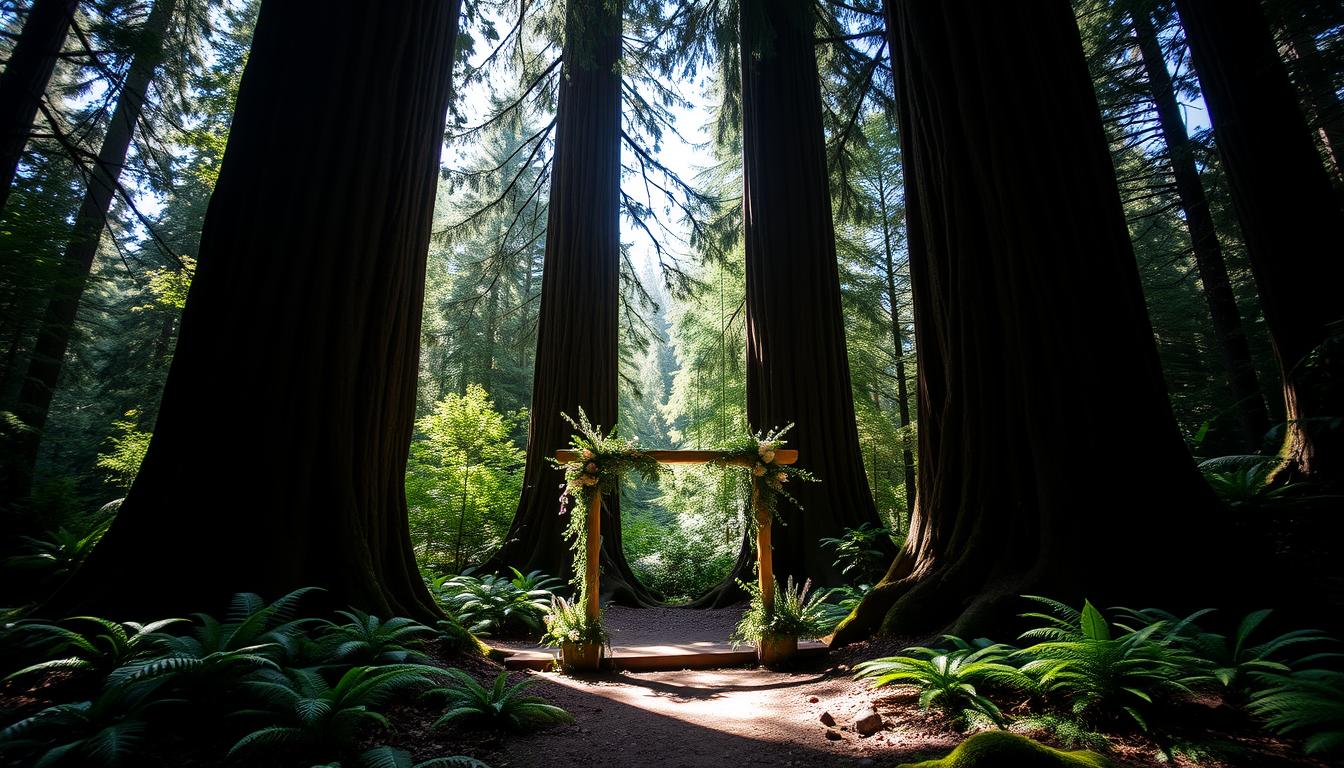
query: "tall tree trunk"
24, 81
1290, 218
1037, 364
577, 339
53, 335
279, 455
1316, 85
1236, 353
898, 340
797, 366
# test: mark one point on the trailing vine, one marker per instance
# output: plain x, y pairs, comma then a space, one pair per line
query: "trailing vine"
755, 455
601, 461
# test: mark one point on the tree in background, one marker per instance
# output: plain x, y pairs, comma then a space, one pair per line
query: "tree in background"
577, 332
797, 365
1289, 216
24, 81
1036, 359
103, 183
463, 479
300, 327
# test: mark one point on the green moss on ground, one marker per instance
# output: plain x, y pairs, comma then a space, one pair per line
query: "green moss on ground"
1000, 749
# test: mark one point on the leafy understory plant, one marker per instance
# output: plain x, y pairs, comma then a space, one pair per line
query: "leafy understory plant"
491, 604
105, 731
948, 678
838, 602
795, 614
98, 647
1098, 675
57, 553
500, 706
1306, 704
858, 551
384, 756
1230, 664
304, 711
568, 622
367, 639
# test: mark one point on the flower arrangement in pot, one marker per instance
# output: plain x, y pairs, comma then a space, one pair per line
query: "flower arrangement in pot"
582, 641
795, 615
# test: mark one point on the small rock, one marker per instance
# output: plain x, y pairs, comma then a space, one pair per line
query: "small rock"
868, 722
827, 719
812, 699
833, 735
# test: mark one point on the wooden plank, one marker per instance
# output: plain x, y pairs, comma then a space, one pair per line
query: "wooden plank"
782, 456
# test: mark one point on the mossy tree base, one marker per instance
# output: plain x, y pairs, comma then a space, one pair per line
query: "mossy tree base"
1000, 749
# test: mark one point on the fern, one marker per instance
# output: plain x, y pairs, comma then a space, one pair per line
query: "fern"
795, 614
106, 731
365, 638
390, 757
1099, 676
947, 678
303, 711
96, 647
1307, 704
500, 706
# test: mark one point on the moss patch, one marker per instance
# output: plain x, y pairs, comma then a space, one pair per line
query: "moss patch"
1000, 749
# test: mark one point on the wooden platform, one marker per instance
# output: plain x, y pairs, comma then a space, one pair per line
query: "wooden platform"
657, 639
698, 655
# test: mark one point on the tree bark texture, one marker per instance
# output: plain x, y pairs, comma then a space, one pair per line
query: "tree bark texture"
279, 455
103, 176
1235, 352
25, 78
577, 332
1038, 373
1290, 218
797, 366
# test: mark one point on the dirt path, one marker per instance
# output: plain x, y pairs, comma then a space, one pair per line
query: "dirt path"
695, 718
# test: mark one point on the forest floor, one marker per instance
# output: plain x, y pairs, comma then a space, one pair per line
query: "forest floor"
750, 716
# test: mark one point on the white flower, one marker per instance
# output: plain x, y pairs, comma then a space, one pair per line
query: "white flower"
768, 456
758, 470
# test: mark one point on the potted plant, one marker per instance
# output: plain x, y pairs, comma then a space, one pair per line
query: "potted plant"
775, 632
582, 640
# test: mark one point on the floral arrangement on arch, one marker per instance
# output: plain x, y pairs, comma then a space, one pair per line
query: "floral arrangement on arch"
601, 461
756, 453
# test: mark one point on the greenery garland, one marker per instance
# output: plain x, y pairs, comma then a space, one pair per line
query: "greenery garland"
602, 460
755, 454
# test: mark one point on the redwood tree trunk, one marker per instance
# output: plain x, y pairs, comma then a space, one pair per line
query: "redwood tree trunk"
24, 81
279, 455
577, 338
1038, 374
797, 367
53, 335
1290, 218
1236, 353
